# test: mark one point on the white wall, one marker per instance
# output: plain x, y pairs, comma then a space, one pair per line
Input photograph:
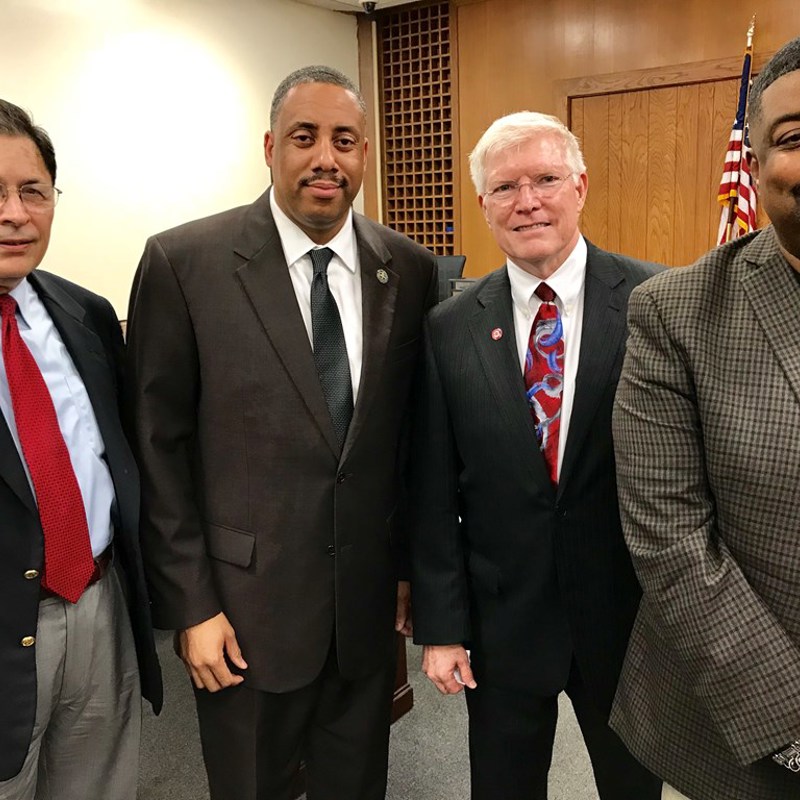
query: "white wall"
157, 109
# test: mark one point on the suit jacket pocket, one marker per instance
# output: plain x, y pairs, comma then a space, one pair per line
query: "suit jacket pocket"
486, 574
230, 544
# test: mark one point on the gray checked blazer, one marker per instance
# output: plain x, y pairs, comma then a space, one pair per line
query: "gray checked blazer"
707, 436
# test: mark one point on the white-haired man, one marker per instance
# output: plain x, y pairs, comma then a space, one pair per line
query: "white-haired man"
518, 555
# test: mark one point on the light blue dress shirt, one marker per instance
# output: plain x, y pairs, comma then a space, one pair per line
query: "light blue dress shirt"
73, 408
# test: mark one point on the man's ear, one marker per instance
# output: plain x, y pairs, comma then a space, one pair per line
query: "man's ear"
752, 162
582, 187
269, 146
482, 205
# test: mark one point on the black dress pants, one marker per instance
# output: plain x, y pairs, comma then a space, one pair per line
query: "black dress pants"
253, 741
511, 745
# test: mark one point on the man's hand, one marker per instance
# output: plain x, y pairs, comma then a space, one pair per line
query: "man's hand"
440, 662
203, 648
402, 618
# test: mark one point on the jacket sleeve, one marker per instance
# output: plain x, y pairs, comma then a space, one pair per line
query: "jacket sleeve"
401, 518
163, 387
439, 582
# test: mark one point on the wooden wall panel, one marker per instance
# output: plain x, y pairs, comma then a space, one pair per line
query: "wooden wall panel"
633, 153
595, 151
708, 171
616, 188
513, 54
687, 164
661, 127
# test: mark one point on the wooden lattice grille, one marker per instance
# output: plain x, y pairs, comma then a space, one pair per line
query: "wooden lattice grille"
417, 112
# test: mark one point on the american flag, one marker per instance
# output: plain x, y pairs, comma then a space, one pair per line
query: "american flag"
736, 191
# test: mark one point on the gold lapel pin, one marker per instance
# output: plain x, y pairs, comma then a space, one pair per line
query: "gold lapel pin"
382, 275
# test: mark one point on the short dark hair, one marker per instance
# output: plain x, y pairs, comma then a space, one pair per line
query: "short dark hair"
14, 121
313, 74
786, 60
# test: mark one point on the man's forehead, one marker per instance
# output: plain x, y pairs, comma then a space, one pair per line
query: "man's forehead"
21, 153
781, 97
319, 96
540, 147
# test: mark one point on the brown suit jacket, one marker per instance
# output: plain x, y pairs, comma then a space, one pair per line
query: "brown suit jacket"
249, 507
707, 434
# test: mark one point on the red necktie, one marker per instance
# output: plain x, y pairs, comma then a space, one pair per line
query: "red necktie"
544, 376
67, 550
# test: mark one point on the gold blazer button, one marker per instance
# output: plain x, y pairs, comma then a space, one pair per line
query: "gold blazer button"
30, 574
28, 641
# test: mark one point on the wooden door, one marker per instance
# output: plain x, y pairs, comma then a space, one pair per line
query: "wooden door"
655, 158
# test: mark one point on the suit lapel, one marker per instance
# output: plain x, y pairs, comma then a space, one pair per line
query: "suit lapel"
378, 302
11, 469
87, 353
771, 290
500, 362
266, 282
603, 333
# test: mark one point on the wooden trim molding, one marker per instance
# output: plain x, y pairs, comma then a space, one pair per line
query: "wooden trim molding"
366, 80
717, 69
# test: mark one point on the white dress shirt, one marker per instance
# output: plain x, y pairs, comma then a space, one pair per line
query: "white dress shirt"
73, 408
568, 283
344, 279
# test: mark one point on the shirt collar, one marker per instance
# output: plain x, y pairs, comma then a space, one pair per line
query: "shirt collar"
296, 243
25, 295
567, 281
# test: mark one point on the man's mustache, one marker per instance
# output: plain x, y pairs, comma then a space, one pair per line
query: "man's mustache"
324, 177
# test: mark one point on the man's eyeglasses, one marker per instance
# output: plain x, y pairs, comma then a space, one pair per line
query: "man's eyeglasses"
34, 196
543, 186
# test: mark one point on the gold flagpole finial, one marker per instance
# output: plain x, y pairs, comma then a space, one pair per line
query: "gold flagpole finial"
751, 31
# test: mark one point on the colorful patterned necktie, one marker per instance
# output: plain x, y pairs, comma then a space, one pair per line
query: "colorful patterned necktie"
68, 562
330, 351
544, 376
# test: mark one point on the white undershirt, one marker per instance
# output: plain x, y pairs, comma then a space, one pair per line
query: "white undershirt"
568, 283
344, 279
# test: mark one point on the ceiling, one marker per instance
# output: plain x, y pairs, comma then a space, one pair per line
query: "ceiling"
354, 5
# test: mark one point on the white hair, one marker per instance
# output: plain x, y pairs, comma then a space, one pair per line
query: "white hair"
516, 129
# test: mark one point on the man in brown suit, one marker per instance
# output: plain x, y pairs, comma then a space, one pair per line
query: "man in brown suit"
707, 433
272, 349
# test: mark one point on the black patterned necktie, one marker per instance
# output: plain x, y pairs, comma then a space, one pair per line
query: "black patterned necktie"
330, 351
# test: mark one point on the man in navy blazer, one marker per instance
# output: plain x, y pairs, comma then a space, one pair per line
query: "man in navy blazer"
71, 671
517, 552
